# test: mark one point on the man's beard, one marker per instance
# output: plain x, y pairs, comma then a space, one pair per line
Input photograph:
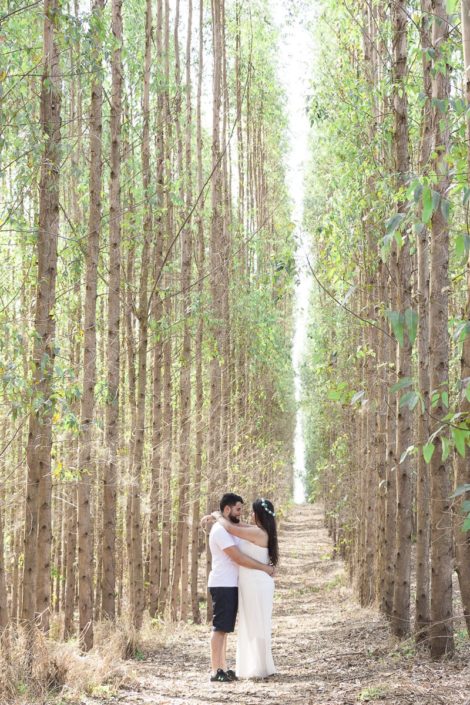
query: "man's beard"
234, 520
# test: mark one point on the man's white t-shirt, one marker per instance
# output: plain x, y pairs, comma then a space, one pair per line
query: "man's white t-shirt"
224, 571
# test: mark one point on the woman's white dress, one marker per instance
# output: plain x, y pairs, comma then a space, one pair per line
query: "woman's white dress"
255, 606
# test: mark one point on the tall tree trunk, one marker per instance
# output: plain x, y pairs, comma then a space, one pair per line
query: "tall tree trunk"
37, 543
138, 441
85, 460
157, 315
181, 557
4, 619
108, 584
462, 465
441, 632
167, 434
422, 243
199, 400
401, 594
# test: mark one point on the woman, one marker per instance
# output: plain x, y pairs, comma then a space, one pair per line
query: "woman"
255, 591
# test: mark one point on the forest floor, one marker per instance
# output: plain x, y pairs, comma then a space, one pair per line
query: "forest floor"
326, 648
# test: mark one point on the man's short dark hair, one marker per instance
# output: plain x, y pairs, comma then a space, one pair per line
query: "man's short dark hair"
229, 500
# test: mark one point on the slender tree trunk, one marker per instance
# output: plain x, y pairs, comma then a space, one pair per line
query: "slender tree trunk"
199, 401
167, 434
441, 632
108, 584
138, 441
4, 618
37, 544
85, 461
401, 594
422, 242
157, 315
462, 465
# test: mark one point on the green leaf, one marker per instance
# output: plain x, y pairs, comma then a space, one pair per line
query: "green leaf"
417, 191
445, 399
411, 320
394, 222
445, 208
445, 448
410, 399
461, 489
466, 505
462, 246
466, 195
460, 435
401, 384
397, 321
427, 204
467, 392
466, 524
428, 451
462, 331
357, 396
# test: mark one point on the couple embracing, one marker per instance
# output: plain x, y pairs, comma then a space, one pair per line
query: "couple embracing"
244, 557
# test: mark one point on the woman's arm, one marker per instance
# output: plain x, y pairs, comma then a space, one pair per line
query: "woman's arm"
243, 531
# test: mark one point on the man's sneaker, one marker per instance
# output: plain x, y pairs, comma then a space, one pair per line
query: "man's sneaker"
221, 677
232, 675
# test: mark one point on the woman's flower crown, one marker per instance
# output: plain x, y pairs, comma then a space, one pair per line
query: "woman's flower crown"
266, 508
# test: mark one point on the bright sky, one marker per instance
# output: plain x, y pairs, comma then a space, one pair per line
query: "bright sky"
296, 66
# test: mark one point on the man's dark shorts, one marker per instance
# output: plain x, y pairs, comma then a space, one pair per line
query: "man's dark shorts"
224, 608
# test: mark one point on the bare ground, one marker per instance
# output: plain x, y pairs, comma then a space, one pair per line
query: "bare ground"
326, 648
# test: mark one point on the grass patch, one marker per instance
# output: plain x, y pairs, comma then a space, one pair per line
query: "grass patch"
338, 581
373, 692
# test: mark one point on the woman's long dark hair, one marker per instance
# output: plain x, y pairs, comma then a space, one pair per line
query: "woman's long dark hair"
264, 513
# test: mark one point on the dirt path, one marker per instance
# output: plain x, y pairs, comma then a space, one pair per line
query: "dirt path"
327, 649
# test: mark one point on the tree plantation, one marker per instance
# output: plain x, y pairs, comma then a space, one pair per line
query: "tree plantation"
149, 277
387, 378
147, 266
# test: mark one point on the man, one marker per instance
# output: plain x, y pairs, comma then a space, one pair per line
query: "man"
223, 584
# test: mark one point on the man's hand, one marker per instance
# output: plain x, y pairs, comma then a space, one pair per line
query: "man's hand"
240, 558
207, 521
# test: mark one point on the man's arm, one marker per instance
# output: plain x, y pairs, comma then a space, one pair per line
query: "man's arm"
240, 558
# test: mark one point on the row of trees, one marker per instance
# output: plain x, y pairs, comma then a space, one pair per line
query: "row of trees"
146, 296
387, 377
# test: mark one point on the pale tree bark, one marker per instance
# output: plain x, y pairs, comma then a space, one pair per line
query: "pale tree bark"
216, 261
180, 572
4, 618
108, 584
462, 465
157, 315
225, 268
199, 400
215, 478
85, 460
139, 435
422, 245
441, 631
401, 594
37, 541
391, 467
167, 433
186, 260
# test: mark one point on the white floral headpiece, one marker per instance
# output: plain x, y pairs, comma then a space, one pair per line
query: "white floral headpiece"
266, 508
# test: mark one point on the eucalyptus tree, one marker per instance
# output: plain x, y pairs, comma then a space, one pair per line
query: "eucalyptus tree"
108, 580
462, 543
85, 461
441, 629
37, 537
